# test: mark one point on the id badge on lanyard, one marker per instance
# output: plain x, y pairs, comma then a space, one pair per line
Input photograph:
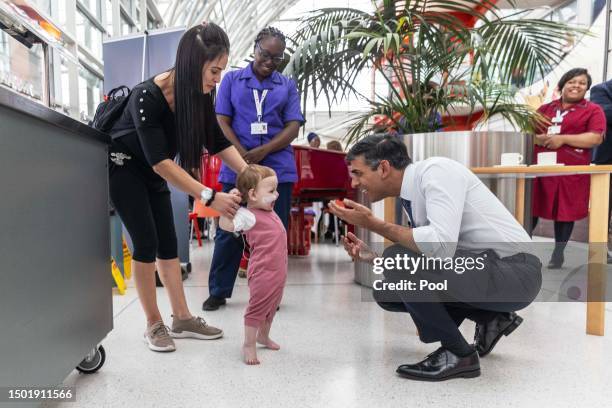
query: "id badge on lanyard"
555, 129
259, 127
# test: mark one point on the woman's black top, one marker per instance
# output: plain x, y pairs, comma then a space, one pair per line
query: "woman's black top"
154, 135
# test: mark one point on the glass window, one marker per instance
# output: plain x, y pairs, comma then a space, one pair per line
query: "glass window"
94, 7
109, 18
62, 99
137, 19
88, 35
126, 27
21, 68
128, 4
152, 22
598, 6
90, 93
44, 6
56, 9
58, 12
566, 13
4, 53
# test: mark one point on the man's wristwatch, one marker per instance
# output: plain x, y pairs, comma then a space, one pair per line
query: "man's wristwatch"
207, 196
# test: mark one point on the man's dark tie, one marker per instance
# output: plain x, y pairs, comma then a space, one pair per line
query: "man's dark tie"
408, 207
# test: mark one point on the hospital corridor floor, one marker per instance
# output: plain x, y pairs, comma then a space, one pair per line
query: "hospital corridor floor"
338, 350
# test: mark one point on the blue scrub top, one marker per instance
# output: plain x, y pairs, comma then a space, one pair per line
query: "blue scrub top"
281, 105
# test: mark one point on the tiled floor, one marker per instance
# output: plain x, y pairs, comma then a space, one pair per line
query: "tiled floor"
338, 351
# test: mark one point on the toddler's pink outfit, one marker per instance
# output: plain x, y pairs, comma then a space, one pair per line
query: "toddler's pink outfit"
267, 270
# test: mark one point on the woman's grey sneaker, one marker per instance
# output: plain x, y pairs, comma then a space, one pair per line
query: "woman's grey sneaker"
195, 328
158, 338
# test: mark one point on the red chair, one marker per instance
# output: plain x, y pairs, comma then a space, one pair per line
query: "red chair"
209, 175
211, 166
201, 211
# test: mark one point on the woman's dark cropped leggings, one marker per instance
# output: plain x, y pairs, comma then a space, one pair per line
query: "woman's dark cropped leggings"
146, 211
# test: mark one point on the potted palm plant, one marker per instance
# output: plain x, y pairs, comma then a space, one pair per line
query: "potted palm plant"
445, 58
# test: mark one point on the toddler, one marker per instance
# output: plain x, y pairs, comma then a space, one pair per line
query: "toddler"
267, 270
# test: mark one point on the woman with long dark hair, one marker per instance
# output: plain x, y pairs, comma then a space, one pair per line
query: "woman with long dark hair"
171, 115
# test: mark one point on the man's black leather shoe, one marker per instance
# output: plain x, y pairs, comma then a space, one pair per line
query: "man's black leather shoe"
213, 303
442, 365
488, 334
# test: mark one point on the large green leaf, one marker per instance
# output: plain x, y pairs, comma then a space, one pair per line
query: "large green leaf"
429, 59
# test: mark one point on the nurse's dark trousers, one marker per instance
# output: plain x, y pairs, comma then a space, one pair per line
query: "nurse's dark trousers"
228, 247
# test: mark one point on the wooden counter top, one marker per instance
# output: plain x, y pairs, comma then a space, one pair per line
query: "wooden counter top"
536, 170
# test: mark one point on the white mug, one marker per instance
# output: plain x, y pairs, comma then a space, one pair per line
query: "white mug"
547, 158
511, 159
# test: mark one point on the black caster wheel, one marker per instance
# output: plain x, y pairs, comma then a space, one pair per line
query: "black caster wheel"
93, 362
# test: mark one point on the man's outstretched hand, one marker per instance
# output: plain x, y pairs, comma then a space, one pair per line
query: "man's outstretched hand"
352, 212
357, 249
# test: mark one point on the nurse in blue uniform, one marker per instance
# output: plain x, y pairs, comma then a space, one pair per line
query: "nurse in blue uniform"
259, 112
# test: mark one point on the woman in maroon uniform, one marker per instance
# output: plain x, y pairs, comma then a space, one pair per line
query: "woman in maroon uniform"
576, 125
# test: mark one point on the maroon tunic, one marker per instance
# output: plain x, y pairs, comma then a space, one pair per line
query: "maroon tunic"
566, 198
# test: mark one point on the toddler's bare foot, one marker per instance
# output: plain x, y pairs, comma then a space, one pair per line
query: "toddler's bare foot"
267, 342
250, 354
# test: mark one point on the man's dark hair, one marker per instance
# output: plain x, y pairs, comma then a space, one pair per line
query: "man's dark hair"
573, 73
376, 148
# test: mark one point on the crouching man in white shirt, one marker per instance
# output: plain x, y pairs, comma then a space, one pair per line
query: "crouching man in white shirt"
463, 255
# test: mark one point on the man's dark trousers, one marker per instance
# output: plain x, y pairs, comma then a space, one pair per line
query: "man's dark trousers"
504, 285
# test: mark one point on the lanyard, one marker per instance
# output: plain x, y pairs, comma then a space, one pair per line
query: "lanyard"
259, 103
559, 117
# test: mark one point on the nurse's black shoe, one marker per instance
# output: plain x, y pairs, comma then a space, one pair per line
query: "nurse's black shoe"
442, 365
488, 334
213, 303
556, 262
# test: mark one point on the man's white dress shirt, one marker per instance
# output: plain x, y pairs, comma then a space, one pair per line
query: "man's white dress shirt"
453, 209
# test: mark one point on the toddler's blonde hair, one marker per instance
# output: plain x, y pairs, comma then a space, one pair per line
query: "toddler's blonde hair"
250, 176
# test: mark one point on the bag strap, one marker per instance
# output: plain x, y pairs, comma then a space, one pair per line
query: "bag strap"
117, 135
125, 90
